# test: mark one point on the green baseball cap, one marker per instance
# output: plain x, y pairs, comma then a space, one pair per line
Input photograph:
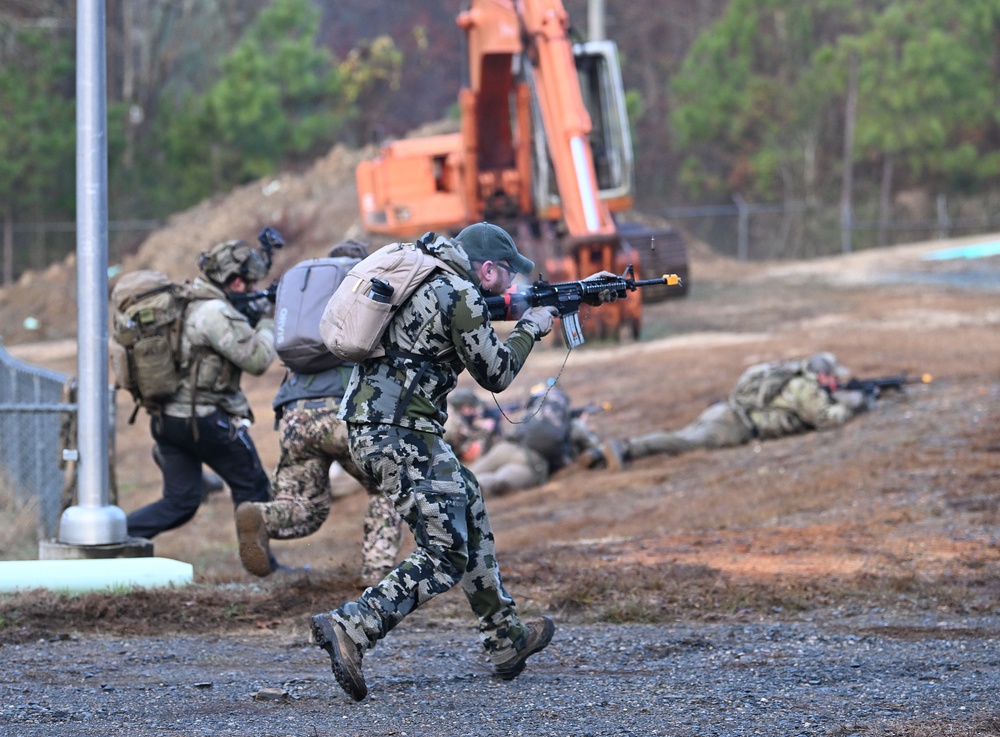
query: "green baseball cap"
487, 242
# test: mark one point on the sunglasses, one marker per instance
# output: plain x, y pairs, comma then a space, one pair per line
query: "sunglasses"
508, 269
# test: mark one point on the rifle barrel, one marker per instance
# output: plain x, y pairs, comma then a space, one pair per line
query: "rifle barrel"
669, 279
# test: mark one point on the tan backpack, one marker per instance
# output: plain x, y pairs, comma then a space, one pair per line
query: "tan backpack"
761, 383
146, 323
360, 310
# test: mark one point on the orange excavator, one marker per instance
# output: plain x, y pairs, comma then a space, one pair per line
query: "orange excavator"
544, 150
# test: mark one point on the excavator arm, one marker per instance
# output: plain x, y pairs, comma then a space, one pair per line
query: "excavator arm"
565, 118
543, 150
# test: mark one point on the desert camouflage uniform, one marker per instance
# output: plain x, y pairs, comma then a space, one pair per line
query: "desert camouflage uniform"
801, 405
509, 466
220, 342
207, 422
395, 409
311, 439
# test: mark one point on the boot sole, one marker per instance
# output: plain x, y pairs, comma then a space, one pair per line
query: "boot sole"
250, 531
352, 682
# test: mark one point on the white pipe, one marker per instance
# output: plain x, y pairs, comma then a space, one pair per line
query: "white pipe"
76, 576
92, 521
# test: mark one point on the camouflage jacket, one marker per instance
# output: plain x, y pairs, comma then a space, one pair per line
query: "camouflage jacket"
441, 330
217, 345
801, 405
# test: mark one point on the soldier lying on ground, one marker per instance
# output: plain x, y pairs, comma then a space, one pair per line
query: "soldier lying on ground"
471, 429
549, 436
770, 400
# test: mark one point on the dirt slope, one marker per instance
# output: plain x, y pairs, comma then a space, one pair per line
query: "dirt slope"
901, 500
313, 210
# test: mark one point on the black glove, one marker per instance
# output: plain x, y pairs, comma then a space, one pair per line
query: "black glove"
256, 308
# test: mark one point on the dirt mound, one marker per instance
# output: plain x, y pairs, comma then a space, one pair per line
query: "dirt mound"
313, 210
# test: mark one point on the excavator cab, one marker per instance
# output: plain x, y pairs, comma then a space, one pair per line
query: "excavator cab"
610, 138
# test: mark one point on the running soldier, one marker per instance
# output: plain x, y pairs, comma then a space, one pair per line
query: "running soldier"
770, 400
395, 408
206, 421
311, 439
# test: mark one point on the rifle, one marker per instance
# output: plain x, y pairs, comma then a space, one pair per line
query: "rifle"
875, 386
254, 305
567, 297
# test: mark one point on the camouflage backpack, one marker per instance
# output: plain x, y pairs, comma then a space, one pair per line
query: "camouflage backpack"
146, 323
761, 383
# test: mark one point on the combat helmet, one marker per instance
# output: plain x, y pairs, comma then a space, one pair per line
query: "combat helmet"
229, 259
465, 397
542, 387
827, 363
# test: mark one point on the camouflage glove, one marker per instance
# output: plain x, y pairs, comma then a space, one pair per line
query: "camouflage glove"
543, 317
605, 295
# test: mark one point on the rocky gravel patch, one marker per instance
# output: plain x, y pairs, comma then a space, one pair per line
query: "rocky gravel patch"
857, 675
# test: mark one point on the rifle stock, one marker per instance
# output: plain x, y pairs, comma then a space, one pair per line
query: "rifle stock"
567, 297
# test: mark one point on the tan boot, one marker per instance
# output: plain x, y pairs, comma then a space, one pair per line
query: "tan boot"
540, 631
615, 454
345, 655
251, 532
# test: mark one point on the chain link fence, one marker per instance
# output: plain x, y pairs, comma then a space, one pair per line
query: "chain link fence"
763, 232
38, 414
35, 246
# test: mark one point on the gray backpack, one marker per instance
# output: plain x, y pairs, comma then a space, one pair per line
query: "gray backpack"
302, 295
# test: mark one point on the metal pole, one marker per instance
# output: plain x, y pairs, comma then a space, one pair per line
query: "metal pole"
944, 222
92, 521
742, 228
595, 20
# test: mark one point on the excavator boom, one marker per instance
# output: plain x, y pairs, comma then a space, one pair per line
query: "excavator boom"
543, 150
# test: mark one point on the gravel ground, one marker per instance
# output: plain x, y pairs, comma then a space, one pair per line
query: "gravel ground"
856, 675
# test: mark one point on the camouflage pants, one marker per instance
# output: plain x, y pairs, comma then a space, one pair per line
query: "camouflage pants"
442, 504
508, 467
717, 427
311, 440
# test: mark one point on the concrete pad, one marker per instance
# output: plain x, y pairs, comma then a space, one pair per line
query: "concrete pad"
77, 576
